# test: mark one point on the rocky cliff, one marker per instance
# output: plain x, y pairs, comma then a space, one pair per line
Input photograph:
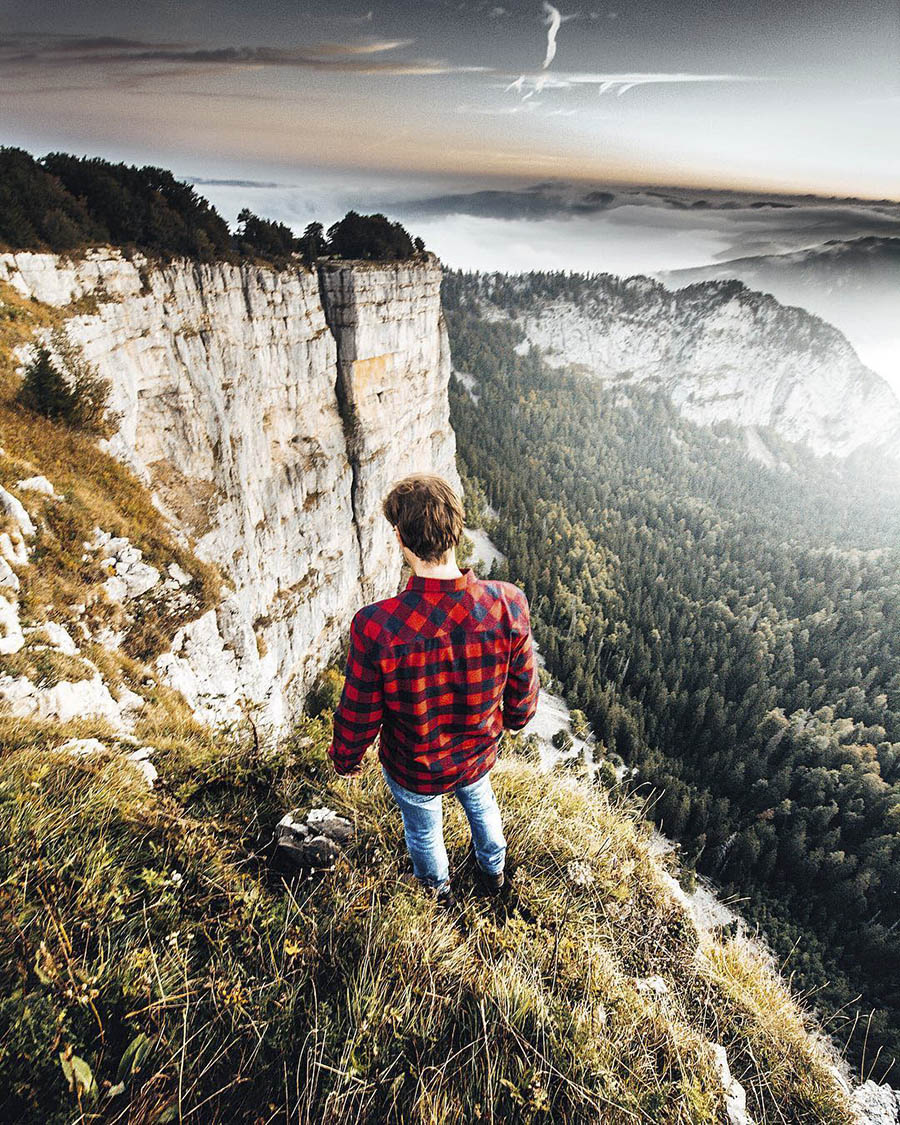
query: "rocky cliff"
852, 284
268, 411
722, 351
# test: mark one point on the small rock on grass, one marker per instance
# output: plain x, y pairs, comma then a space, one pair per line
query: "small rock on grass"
656, 985
84, 746
36, 484
735, 1095
140, 757
313, 841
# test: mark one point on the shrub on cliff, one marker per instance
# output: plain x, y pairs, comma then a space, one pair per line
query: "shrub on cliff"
370, 238
264, 238
62, 386
44, 388
562, 740
325, 694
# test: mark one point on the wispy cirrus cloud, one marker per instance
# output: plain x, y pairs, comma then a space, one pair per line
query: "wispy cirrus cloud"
31, 47
44, 54
496, 110
529, 85
614, 82
554, 19
204, 181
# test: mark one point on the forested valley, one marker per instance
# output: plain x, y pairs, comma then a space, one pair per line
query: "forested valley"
730, 630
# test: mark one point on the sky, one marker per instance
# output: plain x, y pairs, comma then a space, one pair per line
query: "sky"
422, 97
619, 136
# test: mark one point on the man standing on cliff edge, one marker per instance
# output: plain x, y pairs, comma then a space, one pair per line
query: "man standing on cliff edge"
440, 668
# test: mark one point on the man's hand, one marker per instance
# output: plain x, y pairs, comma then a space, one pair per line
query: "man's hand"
351, 772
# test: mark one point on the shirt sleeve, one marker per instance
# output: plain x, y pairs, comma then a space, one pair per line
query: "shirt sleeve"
357, 719
520, 696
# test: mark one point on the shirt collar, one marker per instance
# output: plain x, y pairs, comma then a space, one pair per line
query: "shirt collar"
437, 585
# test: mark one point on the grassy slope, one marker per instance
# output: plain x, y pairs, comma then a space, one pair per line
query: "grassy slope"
147, 919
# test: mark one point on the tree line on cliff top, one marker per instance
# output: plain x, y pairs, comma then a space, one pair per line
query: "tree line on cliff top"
66, 203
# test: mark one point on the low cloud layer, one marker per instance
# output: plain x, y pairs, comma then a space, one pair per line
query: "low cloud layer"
22, 53
762, 219
536, 204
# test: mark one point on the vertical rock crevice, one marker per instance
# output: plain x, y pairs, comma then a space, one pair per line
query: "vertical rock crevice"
393, 369
349, 419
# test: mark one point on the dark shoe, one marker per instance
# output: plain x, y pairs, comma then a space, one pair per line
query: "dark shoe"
447, 900
493, 884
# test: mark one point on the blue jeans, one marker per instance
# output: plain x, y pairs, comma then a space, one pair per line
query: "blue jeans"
423, 815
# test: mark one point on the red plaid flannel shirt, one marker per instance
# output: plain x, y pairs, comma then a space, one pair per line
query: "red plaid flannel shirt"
441, 668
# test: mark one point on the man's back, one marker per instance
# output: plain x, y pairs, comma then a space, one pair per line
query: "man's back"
442, 667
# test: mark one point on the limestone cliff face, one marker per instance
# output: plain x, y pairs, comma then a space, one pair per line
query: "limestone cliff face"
268, 411
722, 351
393, 368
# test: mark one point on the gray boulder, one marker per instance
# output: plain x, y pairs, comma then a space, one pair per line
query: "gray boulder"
312, 842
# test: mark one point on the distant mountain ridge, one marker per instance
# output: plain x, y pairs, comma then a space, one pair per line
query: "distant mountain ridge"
560, 198
722, 351
854, 284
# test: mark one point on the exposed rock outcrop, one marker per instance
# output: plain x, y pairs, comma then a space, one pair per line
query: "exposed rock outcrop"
268, 411
874, 1104
13, 554
723, 353
393, 370
62, 702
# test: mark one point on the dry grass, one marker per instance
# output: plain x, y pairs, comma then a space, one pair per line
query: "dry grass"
46, 667
19, 734
776, 1047
149, 921
160, 970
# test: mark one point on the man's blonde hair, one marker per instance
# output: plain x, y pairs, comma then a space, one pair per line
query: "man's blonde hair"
427, 513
